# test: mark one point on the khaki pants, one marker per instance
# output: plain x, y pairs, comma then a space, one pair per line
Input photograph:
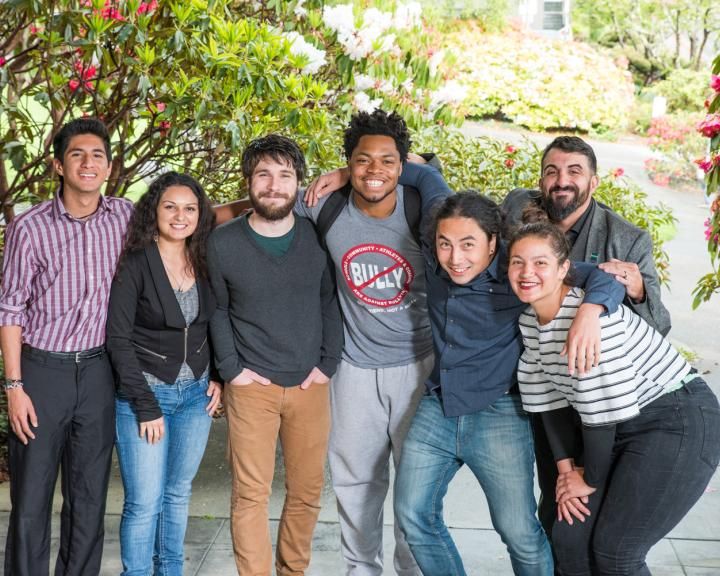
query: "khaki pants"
256, 415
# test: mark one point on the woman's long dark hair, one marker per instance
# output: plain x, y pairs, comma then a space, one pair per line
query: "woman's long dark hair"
143, 224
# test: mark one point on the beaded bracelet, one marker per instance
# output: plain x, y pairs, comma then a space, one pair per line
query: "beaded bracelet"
12, 383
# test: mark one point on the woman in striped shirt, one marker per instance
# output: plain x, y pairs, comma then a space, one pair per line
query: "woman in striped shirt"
650, 424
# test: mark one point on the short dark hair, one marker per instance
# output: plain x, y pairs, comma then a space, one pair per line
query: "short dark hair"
143, 223
571, 144
378, 123
466, 204
280, 148
77, 127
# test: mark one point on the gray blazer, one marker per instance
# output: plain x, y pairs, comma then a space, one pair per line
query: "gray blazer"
608, 235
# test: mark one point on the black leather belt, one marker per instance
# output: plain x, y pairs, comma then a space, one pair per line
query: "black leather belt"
65, 356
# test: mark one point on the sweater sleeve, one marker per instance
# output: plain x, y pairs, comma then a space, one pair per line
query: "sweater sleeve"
598, 442
560, 430
428, 181
600, 288
332, 328
124, 293
227, 360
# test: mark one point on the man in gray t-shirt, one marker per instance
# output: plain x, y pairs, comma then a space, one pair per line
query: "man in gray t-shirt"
387, 357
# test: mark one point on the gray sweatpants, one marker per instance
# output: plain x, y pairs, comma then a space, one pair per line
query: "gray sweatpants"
371, 413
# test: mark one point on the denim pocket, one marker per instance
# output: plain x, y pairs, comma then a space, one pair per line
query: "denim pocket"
710, 452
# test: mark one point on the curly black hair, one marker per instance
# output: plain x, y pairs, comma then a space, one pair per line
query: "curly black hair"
379, 123
143, 224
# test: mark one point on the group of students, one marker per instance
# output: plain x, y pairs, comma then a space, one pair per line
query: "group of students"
410, 323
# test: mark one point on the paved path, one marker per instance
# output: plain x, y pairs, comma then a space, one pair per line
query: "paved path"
692, 549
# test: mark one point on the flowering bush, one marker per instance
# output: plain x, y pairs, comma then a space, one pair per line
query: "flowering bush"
678, 146
541, 83
188, 84
710, 164
494, 168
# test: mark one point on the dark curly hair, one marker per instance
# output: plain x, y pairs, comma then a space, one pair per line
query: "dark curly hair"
143, 224
466, 204
379, 123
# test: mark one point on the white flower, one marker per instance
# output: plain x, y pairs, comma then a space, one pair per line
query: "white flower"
363, 82
299, 10
363, 103
434, 62
356, 46
376, 20
340, 19
388, 43
315, 56
450, 93
407, 15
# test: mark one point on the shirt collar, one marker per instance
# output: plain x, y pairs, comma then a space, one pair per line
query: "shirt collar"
576, 228
59, 209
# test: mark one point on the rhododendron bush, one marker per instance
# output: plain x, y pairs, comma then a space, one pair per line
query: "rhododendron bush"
187, 84
541, 83
709, 127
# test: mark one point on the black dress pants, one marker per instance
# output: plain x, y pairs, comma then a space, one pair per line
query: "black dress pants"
74, 403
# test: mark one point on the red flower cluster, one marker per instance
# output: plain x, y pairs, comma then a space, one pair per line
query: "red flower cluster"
661, 131
110, 11
164, 127
710, 127
510, 149
85, 74
715, 82
706, 164
147, 7
3, 61
509, 162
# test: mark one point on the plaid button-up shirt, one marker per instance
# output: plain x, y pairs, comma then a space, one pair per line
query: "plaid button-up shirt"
57, 272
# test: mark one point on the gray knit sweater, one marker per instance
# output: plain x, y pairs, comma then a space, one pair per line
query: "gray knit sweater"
277, 316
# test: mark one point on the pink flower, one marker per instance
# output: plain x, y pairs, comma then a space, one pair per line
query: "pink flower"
156, 107
33, 29
710, 126
3, 61
147, 7
164, 126
617, 172
509, 162
661, 179
705, 164
510, 149
74, 84
715, 83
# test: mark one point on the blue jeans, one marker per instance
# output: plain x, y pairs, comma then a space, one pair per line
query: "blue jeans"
496, 443
662, 461
157, 478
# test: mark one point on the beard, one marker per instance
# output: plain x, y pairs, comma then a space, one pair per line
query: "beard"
272, 212
558, 208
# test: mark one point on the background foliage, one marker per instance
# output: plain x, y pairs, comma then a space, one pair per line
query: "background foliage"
540, 83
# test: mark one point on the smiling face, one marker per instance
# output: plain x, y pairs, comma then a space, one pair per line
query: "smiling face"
536, 275
375, 168
463, 249
178, 212
567, 184
84, 166
273, 189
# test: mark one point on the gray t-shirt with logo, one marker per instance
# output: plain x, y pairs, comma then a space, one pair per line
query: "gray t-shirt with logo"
380, 274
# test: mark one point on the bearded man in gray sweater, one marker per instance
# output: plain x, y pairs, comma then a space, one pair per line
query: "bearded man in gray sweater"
277, 337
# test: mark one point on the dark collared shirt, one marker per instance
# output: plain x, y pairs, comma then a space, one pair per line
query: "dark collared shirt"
476, 338
574, 232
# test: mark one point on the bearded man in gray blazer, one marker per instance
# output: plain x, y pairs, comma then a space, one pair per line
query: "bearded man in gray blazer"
597, 235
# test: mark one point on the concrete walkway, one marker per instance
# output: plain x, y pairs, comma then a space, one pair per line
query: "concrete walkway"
692, 549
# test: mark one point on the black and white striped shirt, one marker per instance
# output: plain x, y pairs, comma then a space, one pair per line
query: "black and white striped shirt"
637, 365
